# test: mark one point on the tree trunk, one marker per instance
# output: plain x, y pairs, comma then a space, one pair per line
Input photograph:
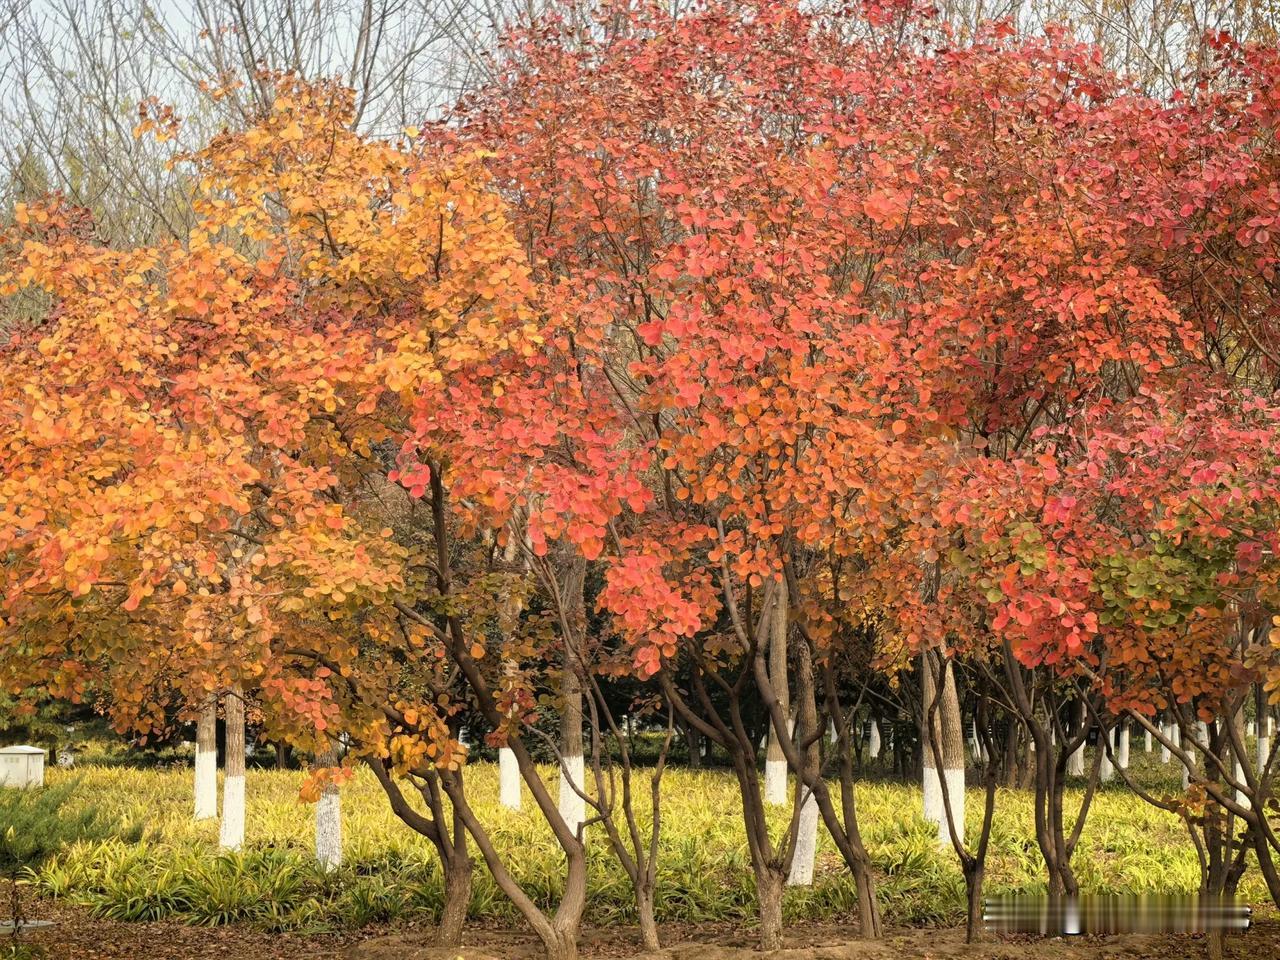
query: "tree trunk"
1242, 795
805, 854
973, 876
328, 816
508, 778
948, 734
457, 898
648, 925
775, 763
573, 808
1010, 765
1122, 746
694, 739
206, 806
843, 828
1075, 762
1107, 771
769, 885
873, 740
232, 834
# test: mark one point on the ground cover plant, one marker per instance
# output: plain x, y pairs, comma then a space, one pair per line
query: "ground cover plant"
390, 874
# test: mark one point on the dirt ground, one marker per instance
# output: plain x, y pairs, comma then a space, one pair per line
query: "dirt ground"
76, 936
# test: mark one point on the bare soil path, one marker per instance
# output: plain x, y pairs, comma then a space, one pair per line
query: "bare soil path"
76, 936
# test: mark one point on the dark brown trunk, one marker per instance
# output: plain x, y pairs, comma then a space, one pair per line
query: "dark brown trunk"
844, 828
694, 739
769, 886
1267, 866
457, 899
973, 877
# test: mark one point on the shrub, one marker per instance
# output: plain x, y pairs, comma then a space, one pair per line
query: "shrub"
40, 823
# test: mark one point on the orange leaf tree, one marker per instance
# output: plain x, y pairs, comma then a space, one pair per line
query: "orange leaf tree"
197, 436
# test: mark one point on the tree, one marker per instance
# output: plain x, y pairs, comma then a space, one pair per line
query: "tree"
195, 483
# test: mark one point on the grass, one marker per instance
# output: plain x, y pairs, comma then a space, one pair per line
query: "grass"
162, 864
36, 825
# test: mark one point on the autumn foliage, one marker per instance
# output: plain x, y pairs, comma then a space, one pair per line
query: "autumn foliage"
975, 343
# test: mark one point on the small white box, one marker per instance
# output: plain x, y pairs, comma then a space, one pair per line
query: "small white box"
21, 767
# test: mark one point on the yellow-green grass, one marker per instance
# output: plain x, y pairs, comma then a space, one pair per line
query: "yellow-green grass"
390, 873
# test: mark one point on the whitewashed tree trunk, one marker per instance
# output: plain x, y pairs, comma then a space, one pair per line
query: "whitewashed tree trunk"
775, 761
329, 818
573, 808
232, 833
1168, 730
508, 778
873, 741
806, 851
1242, 796
1107, 770
1263, 746
948, 734
1075, 762
508, 767
206, 770
573, 783
1122, 747
806, 844
1146, 741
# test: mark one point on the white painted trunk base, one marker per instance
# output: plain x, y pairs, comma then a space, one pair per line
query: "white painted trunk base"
1264, 751
329, 829
1122, 748
573, 809
775, 782
1107, 771
1167, 730
231, 836
1186, 773
1242, 797
806, 845
873, 741
1075, 762
934, 810
1146, 741
509, 778
206, 784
